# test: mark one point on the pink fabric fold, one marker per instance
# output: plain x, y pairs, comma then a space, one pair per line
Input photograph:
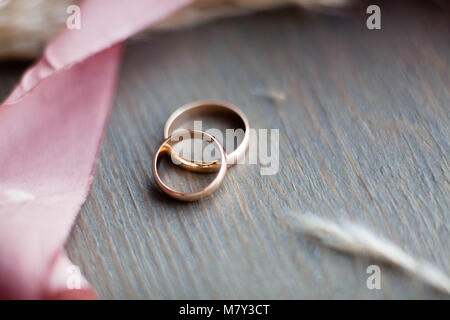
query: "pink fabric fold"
50, 131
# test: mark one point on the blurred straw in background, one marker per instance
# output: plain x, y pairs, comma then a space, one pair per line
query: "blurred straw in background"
26, 26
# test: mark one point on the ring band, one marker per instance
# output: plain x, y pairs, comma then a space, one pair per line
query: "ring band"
166, 146
197, 108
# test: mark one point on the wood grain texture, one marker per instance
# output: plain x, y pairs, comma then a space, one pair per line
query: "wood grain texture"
364, 135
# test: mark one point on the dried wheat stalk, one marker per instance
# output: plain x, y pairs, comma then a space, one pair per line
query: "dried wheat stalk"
354, 239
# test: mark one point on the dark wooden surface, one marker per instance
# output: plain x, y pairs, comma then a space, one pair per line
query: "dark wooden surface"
364, 135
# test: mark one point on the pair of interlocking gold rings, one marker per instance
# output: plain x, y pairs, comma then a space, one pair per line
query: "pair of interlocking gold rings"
172, 134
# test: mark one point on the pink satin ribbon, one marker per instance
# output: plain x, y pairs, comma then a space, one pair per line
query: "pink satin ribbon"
50, 131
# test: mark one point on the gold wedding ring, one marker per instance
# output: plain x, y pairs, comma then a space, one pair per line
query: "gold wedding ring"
173, 133
166, 146
197, 109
